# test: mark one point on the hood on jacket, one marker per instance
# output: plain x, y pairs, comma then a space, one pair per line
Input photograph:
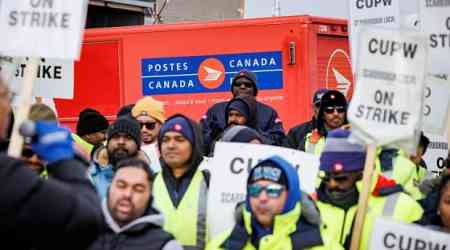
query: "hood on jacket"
250, 103
152, 218
293, 182
241, 133
329, 99
197, 142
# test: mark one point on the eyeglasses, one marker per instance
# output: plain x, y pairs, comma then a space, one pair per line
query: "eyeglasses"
330, 110
246, 84
336, 178
148, 125
272, 190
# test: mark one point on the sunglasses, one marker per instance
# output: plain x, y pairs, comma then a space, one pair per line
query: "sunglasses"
148, 125
336, 178
330, 110
246, 84
272, 190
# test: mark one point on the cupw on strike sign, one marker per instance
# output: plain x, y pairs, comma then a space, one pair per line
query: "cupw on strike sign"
387, 105
42, 28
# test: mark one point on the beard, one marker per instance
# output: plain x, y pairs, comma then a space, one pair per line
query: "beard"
343, 198
119, 154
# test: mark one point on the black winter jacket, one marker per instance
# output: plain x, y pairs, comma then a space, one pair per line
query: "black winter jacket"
268, 123
40, 214
295, 139
143, 233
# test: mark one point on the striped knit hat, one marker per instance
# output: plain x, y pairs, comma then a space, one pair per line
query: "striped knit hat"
340, 155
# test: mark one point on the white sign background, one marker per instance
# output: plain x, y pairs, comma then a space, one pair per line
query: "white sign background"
50, 28
55, 78
226, 189
437, 98
387, 235
386, 13
435, 21
436, 153
393, 82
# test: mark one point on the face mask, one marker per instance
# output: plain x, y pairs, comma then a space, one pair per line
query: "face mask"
343, 199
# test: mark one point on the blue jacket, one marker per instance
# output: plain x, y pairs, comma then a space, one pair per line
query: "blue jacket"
268, 123
101, 178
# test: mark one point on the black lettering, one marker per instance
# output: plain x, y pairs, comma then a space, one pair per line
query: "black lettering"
235, 170
378, 96
24, 15
426, 110
385, 240
420, 245
386, 98
373, 41
393, 116
369, 110
433, 42
35, 19
401, 245
57, 72
52, 20
410, 50
395, 46
387, 2
437, 246
359, 4
377, 115
448, 23
440, 162
13, 18
46, 72
35, 3
360, 111
404, 118
384, 49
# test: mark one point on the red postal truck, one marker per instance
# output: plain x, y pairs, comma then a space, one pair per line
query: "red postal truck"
189, 66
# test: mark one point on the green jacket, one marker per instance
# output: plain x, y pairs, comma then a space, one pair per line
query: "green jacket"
290, 231
386, 199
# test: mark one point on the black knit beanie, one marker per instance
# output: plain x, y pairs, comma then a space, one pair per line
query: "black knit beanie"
128, 126
91, 121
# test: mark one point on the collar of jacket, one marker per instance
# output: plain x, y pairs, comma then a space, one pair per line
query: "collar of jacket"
152, 217
303, 234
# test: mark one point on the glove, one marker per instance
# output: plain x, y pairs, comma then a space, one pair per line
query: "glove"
52, 143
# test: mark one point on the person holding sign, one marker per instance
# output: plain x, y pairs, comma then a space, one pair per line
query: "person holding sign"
272, 217
342, 163
181, 188
332, 115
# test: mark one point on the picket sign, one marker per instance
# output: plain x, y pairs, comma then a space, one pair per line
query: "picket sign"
229, 171
437, 99
435, 24
54, 79
35, 29
386, 107
379, 13
392, 235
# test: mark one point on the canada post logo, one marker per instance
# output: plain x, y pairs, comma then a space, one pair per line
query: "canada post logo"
212, 73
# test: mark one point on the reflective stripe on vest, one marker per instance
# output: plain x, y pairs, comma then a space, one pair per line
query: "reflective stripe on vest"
187, 229
390, 203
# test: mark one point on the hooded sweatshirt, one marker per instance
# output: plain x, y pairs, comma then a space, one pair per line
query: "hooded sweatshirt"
250, 103
143, 233
177, 186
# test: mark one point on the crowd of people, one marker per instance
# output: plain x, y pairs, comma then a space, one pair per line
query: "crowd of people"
138, 183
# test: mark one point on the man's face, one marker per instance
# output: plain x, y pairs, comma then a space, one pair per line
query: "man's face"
243, 87
444, 207
334, 116
236, 118
129, 194
341, 182
269, 202
5, 109
149, 129
96, 138
176, 150
121, 146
